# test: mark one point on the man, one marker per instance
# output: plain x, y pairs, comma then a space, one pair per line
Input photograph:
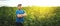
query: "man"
20, 15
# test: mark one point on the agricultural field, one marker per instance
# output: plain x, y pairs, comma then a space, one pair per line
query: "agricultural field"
36, 16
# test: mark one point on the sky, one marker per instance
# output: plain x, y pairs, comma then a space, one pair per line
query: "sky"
30, 2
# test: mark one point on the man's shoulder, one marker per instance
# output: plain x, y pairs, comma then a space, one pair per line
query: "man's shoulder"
16, 10
23, 11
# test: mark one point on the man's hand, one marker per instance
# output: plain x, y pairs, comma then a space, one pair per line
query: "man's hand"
24, 14
19, 16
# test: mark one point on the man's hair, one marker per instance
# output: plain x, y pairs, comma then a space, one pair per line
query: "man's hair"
19, 4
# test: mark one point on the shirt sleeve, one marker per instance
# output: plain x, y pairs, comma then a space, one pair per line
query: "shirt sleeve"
17, 12
24, 11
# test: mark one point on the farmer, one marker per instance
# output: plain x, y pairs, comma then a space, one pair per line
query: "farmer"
20, 15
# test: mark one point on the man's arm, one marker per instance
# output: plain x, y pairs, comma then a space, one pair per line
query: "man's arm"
21, 15
24, 14
18, 15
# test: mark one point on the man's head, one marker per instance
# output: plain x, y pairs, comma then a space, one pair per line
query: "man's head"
19, 6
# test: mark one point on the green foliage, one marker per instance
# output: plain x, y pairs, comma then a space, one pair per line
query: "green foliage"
36, 16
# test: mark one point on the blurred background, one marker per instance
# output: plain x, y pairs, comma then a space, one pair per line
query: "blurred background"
39, 12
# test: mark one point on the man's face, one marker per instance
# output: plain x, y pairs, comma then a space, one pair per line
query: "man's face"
19, 7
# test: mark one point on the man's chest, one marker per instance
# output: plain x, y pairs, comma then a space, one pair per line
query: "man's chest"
21, 12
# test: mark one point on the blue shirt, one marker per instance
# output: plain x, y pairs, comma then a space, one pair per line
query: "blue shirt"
21, 20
